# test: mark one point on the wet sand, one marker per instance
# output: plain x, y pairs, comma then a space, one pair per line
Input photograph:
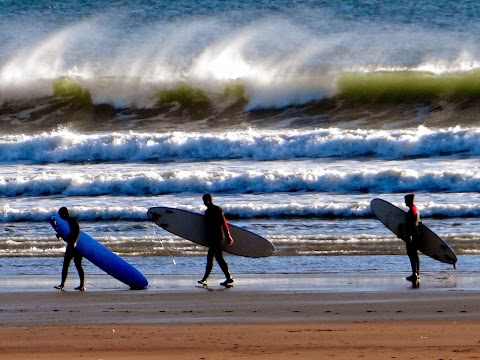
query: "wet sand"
287, 316
377, 317
373, 340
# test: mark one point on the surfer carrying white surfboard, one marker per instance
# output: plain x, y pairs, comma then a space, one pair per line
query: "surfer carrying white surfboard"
70, 251
218, 234
412, 233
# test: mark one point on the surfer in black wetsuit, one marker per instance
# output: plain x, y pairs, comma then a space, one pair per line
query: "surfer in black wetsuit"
412, 236
218, 234
70, 251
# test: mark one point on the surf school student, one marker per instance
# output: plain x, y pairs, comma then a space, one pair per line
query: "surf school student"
218, 234
412, 236
70, 251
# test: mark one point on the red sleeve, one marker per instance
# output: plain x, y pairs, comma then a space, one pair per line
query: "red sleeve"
226, 224
416, 213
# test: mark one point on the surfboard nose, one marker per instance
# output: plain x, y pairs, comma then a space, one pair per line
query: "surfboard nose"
153, 215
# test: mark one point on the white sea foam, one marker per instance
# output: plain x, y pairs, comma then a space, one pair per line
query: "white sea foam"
253, 144
252, 181
275, 210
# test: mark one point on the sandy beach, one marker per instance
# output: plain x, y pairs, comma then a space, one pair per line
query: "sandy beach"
173, 319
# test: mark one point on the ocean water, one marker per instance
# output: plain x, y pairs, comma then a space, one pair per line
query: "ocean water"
294, 115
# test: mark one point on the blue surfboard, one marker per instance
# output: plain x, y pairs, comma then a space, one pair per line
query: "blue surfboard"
100, 256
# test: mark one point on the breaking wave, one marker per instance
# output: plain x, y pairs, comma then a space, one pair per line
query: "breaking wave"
251, 144
151, 183
315, 210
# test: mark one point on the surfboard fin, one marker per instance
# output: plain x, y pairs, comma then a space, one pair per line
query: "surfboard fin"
449, 258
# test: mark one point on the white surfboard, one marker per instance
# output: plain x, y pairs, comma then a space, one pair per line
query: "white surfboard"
192, 226
430, 243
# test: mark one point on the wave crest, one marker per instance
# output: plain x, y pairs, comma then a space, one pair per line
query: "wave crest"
262, 145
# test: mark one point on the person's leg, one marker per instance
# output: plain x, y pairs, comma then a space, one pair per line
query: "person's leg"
414, 260
223, 264
209, 265
67, 258
81, 274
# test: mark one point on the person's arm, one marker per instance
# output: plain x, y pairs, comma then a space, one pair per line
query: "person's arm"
74, 232
226, 229
55, 227
416, 223
413, 219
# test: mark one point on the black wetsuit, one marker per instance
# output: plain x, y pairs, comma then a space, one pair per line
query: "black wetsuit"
72, 253
411, 228
217, 234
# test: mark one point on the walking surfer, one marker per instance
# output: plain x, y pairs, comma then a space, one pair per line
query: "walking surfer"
412, 237
218, 234
70, 251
